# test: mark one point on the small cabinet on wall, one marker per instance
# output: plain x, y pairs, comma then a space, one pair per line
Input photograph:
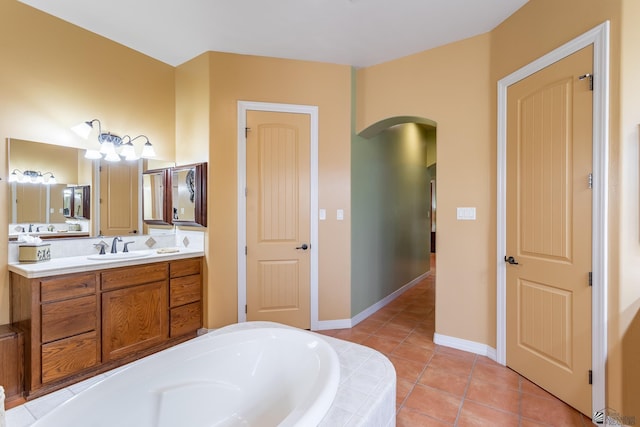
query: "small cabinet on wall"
78, 325
176, 196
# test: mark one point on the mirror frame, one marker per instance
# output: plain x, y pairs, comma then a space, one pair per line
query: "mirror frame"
166, 196
200, 199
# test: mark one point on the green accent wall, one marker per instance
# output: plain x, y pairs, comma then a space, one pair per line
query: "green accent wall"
390, 203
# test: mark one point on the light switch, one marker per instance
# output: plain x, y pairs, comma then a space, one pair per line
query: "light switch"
340, 214
323, 214
466, 214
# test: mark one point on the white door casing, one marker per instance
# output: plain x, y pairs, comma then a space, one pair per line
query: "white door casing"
312, 111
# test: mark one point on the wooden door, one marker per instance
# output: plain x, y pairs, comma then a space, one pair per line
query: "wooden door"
549, 160
278, 218
118, 198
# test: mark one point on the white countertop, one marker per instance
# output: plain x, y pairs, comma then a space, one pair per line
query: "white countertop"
79, 264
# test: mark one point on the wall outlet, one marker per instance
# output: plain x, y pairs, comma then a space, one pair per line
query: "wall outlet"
466, 214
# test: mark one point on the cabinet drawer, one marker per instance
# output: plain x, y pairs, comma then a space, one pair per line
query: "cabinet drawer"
185, 267
184, 290
129, 276
67, 318
67, 287
186, 319
66, 357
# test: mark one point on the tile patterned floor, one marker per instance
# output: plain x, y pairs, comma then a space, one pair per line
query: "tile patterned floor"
440, 386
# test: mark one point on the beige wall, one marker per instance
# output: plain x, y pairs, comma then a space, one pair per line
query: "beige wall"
55, 75
252, 78
450, 85
193, 100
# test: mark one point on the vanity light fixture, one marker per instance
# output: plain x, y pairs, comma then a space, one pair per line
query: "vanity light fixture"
34, 177
113, 147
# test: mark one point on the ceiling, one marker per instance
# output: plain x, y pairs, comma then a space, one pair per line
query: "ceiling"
351, 32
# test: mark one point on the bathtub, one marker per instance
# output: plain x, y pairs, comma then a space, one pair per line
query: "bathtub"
251, 377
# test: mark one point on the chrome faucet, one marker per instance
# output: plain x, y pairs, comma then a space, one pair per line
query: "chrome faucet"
114, 244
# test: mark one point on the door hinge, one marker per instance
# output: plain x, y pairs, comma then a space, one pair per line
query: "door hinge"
590, 180
246, 131
590, 278
245, 250
245, 191
245, 312
587, 76
590, 376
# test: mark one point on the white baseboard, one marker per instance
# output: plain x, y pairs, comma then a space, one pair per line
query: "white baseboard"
465, 345
324, 325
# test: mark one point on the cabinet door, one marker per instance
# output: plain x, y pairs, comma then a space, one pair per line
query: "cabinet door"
134, 319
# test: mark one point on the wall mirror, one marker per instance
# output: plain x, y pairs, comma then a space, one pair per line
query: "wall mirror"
155, 200
189, 195
71, 169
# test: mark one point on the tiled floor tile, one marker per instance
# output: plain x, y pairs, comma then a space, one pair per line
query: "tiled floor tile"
452, 364
435, 403
403, 388
445, 381
409, 418
549, 411
504, 399
411, 352
496, 374
477, 415
407, 369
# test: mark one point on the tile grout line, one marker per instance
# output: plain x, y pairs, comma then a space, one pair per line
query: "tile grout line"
466, 390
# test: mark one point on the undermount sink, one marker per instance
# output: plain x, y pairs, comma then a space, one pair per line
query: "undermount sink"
120, 255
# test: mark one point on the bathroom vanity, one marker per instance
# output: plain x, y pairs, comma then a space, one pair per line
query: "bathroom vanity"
91, 318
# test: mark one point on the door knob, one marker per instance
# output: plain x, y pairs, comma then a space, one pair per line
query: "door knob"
304, 247
511, 260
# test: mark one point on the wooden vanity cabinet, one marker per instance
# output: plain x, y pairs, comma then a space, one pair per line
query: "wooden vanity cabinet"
78, 325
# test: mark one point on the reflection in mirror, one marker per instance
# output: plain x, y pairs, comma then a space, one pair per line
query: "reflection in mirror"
71, 169
67, 202
28, 202
183, 194
189, 195
81, 205
154, 197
